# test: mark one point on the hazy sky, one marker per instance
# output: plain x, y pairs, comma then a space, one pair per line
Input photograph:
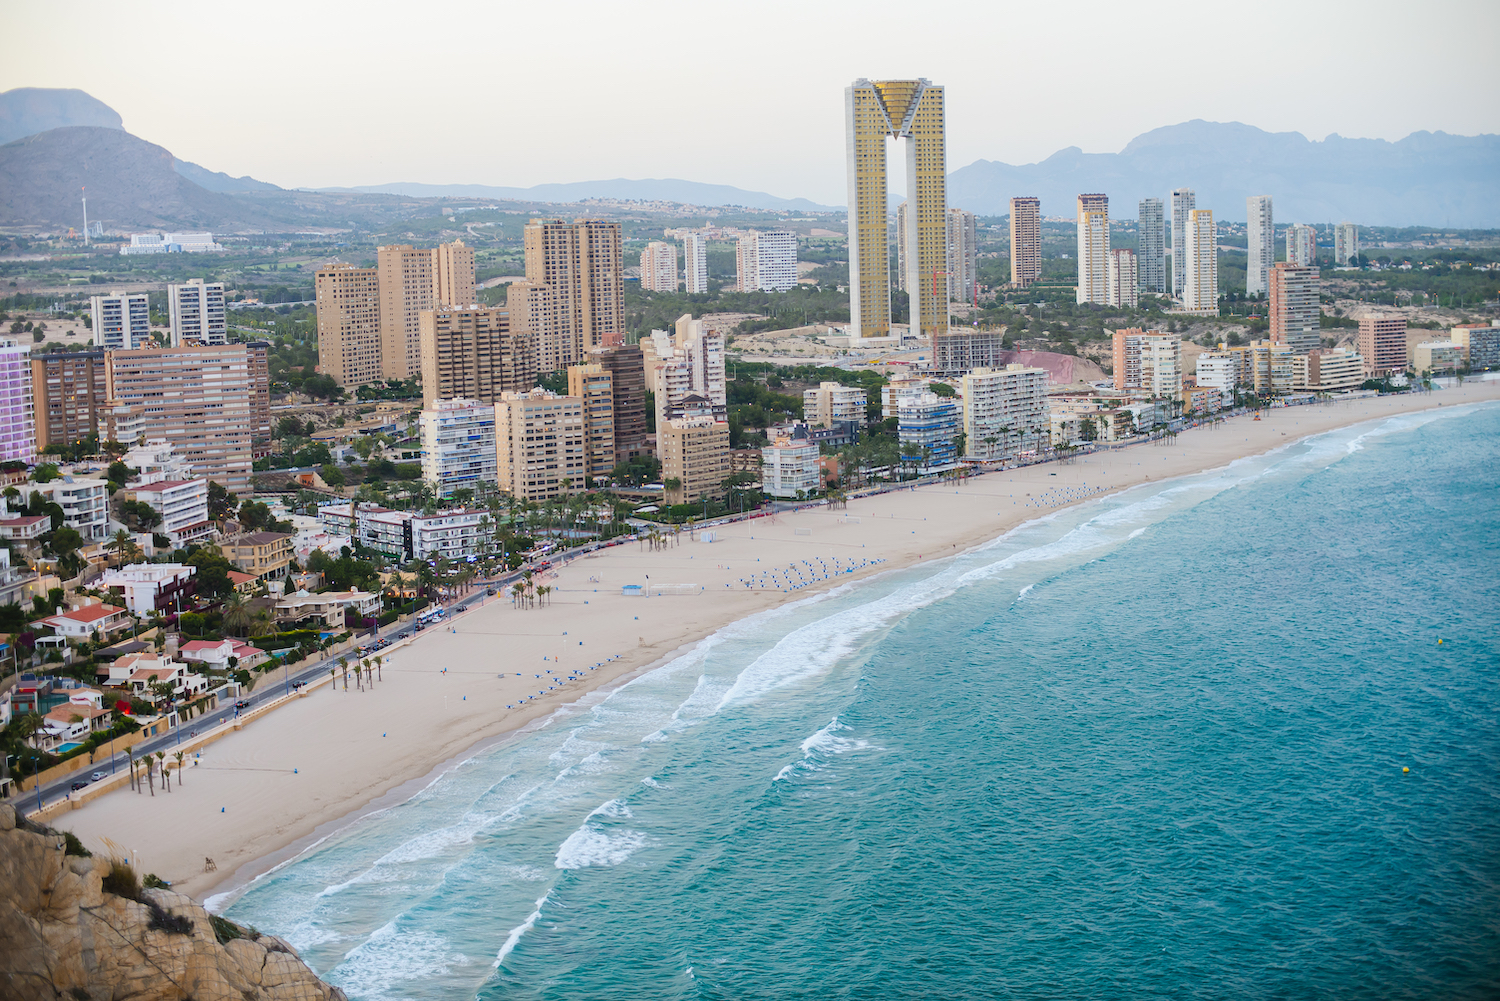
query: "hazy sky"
318, 93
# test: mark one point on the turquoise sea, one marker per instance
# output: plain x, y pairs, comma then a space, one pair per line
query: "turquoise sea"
1149, 746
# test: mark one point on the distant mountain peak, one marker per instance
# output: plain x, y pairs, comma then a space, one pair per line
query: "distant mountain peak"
27, 111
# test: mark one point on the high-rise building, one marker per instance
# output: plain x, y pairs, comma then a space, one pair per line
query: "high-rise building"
539, 443
626, 367
690, 380
1272, 368
928, 427
695, 263
348, 304
1219, 370
1295, 314
17, 411
1382, 344
1151, 259
68, 394
471, 353
121, 320
203, 399
1335, 370
873, 112
1345, 245
830, 403
581, 266
1184, 200
1201, 262
789, 465
197, 313
594, 385
407, 286
1150, 362
1302, 245
1093, 248
903, 220
458, 445
453, 275
1122, 279
1481, 341
694, 458
963, 255
1260, 234
1025, 241
767, 262
1004, 411
659, 267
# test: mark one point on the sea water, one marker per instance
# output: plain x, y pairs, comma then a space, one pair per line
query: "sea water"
1153, 745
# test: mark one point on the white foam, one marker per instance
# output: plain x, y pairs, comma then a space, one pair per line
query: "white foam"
824, 743
521, 929
378, 966
589, 846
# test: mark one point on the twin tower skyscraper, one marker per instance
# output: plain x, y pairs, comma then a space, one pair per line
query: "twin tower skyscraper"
909, 110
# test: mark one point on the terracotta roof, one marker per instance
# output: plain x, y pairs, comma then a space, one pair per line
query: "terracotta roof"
159, 673
197, 645
25, 519
89, 613
236, 577
65, 713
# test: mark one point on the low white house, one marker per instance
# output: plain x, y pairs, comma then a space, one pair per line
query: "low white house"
71, 723
80, 624
147, 587
216, 654
146, 670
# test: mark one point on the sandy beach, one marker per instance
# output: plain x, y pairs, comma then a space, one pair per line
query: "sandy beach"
260, 795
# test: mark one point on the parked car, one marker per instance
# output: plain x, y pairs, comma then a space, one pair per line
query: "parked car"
242, 704
79, 785
97, 777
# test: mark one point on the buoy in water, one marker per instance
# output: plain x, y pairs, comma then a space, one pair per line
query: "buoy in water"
1405, 769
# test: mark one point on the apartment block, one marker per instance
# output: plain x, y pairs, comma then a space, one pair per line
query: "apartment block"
197, 313
963, 255
182, 504
910, 111
541, 449
1345, 245
789, 465
1481, 343
453, 275
627, 372
594, 385
1201, 263
17, 411
690, 379
695, 263
1382, 344
1004, 411
202, 399
695, 455
458, 445
767, 262
68, 394
408, 285
1122, 278
1260, 232
1150, 362
1436, 356
1335, 370
84, 502
1302, 245
903, 223
1184, 201
472, 353
928, 427
659, 267
964, 348
898, 389
581, 266
1295, 312
121, 320
267, 555
349, 334
1093, 248
1273, 367
1152, 255
832, 403
1218, 370
454, 533
1025, 241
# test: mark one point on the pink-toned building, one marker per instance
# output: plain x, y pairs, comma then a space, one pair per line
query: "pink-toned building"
17, 413
1382, 344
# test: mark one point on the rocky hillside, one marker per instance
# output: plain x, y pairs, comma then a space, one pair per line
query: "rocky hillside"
66, 935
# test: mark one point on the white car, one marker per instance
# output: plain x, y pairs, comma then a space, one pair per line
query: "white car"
98, 777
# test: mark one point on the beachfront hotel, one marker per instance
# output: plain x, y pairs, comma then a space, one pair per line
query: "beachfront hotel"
694, 458
1004, 411
1151, 363
928, 427
1295, 313
789, 465
910, 110
1382, 344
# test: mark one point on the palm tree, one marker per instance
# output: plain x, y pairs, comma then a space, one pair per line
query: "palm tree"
121, 543
178, 755
366, 664
130, 760
150, 776
344, 666
377, 669
237, 614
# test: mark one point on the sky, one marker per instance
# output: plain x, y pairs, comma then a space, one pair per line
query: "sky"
332, 93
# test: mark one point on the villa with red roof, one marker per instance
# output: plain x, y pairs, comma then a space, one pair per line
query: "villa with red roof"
216, 653
81, 624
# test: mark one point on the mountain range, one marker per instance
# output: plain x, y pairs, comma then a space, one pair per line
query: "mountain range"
56, 141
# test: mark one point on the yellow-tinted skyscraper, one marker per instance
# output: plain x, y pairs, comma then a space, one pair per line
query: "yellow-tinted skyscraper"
910, 110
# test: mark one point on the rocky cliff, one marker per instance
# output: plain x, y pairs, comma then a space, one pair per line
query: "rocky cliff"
63, 935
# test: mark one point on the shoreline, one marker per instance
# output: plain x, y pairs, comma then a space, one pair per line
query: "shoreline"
293, 778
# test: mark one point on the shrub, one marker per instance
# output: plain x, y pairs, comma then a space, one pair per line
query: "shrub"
164, 920
75, 847
122, 881
227, 931
155, 882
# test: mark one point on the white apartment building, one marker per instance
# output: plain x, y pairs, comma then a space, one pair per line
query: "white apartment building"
928, 431
788, 465
963, 254
1260, 234
1005, 411
1335, 370
147, 587
1093, 249
659, 267
183, 506
1122, 278
85, 503
691, 363
695, 263
458, 445
408, 535
1201, 261
197, 313
1184, 200
541, 445
121, 320
1151, 229
1219, 371
1151, 363
767, 262
1345, 245
832, 402
1302, 245
893, 392
157, 460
